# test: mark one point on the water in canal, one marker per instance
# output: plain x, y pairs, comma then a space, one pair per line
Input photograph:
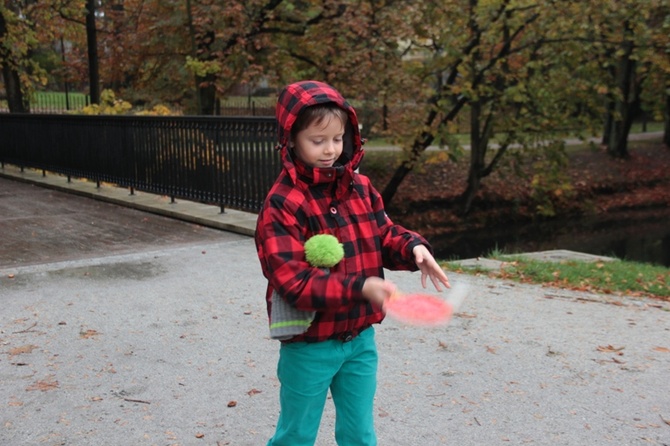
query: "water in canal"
642, 236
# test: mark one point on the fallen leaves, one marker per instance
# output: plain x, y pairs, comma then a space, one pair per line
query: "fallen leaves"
15, 403
610, 349
88, 334
44, 385
22, 349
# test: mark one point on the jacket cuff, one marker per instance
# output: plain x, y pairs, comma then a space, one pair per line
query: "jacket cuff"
410, 248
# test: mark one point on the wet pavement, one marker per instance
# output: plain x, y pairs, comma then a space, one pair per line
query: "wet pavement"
43, 225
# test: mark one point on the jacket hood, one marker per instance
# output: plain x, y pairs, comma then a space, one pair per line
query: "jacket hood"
299, 95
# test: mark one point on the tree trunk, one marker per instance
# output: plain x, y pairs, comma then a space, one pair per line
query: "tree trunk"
420, 145
617, 145
207, 95
194, 53
474, 183
666, 125
15, 99
479, 142
406, 167
205, 85
609, 105
609, 122
117, 78
92, 42
16, 102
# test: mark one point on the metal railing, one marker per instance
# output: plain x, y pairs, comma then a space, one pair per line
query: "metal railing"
227, 161
245, 107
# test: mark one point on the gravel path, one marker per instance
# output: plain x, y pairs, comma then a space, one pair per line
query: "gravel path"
169, 347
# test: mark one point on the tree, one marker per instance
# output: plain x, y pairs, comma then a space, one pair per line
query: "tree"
239, 46
170, 46
356, 49
632, 47
92, 43
656, 95
144, 45
512, 72
496, 60
15, 98
522, 70
15, 37
27, 26
226, 41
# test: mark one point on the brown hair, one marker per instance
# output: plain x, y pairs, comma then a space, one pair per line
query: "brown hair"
316, 114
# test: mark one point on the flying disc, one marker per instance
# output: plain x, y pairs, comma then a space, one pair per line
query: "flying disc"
422, 308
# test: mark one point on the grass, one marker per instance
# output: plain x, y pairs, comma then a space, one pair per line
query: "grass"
604, 277
57, 99
54, 101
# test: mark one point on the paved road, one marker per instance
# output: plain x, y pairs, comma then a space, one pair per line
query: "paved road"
138, 330
42, 225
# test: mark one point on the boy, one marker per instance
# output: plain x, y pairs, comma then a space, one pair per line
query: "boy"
320, 192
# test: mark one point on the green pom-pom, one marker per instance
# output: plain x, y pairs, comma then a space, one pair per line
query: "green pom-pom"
323, 251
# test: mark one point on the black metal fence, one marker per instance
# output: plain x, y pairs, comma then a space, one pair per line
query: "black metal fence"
57, 103
228, 161
245, 107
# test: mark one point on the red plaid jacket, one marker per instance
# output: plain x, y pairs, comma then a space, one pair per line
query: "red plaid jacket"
305, 201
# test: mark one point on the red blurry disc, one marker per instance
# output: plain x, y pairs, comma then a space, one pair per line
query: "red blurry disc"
419, 309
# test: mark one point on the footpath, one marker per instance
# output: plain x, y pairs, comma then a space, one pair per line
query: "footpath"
121, 326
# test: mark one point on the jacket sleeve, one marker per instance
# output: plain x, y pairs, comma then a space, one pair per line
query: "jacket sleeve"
397, 241
280, 241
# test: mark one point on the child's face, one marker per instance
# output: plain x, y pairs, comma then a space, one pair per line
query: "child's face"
320, 144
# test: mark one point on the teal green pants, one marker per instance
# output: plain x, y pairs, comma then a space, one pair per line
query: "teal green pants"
306, 373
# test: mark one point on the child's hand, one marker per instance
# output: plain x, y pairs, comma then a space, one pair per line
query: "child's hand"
376, 290
429, 267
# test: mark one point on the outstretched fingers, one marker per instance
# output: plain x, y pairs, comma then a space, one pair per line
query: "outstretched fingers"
430, 268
